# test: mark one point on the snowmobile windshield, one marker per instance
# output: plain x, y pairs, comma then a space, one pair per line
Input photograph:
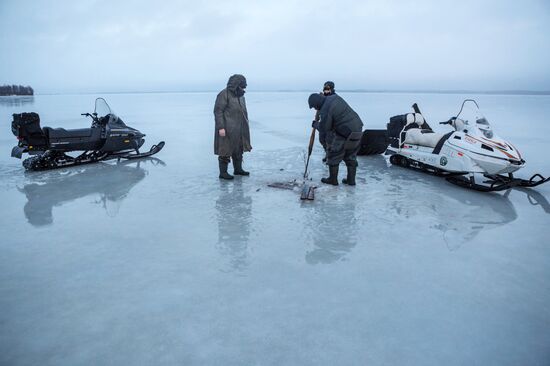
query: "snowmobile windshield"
485, 127
102, 108
472, 118
106, 115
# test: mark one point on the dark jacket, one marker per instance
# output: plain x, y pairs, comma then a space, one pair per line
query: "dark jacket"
318, 112
337, 118
230, 114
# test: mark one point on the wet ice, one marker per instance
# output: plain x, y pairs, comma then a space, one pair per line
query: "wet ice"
159, 262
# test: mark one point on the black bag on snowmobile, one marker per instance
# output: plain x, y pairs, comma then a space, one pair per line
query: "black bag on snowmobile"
26, 126
396, 125
394, 128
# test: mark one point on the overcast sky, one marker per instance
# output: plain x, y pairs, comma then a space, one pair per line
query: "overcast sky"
100, 45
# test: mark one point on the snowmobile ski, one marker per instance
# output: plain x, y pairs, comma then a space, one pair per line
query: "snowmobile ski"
495, 183
154, 149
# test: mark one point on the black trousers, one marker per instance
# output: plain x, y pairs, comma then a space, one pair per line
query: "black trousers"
337, 151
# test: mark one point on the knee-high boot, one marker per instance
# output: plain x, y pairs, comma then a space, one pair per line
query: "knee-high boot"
333, 176
223, 164
238, 166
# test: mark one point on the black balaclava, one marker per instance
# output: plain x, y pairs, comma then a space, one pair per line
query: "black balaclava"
236, 85
316, 101
330, 85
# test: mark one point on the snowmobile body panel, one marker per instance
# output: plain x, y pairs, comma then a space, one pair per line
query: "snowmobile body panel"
126, 138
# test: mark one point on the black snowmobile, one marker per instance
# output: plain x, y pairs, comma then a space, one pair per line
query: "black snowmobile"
107, 138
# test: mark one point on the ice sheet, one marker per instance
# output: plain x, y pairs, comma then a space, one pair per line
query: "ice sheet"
159, 262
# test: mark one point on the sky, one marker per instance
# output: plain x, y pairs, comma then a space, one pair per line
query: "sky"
100, 45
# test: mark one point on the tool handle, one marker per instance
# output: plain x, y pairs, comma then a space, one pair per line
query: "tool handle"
310, 149
311, 141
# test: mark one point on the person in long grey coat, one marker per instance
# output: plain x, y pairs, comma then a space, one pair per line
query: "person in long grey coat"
232, 135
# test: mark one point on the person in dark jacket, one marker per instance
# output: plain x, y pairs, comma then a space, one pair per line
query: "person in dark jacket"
343, 129
232, 132
328, 89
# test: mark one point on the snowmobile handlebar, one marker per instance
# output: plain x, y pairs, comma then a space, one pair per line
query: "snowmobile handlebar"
93, 116
449, 122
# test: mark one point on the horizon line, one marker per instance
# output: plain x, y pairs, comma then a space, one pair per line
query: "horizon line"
368, 91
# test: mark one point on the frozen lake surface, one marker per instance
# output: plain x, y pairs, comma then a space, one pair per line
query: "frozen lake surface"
158, 262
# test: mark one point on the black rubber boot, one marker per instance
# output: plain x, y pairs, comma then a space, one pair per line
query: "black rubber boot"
333, 177
238, 166
223, 170
350, 180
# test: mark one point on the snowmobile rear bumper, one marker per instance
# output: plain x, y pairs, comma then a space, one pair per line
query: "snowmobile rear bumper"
17, 152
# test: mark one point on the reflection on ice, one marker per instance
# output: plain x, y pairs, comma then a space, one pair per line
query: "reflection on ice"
112, 182
458, 213
333, 229
535, 198
234, 215
16, 101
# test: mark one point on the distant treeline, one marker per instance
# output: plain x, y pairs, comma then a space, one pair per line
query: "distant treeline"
16, 90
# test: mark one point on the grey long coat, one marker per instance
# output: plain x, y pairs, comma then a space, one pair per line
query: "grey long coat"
230, 113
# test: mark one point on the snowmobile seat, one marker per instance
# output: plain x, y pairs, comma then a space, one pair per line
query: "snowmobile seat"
61, 133
422, 137
398, 126
415, 120
73, 140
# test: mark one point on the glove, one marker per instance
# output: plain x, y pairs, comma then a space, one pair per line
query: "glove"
315, 124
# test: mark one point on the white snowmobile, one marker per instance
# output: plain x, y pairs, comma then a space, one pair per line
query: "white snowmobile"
471, 150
